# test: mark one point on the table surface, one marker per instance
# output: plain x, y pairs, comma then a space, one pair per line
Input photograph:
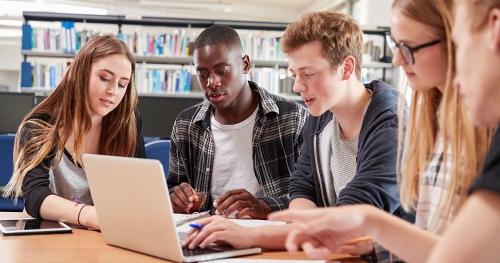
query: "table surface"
89, 246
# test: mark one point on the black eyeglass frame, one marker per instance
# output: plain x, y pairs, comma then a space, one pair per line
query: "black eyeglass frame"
391, 42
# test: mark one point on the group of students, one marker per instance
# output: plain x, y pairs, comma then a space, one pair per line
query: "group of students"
422, 181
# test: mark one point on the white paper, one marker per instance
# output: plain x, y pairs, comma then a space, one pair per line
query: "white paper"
256, 222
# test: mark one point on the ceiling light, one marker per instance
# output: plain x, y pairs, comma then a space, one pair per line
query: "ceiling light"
189, 5
16, 8
17, 23
73, 9
11, 33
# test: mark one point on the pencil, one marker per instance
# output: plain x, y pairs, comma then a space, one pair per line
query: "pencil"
357, 240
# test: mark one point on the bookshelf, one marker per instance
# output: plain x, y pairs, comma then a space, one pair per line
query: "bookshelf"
269, 71
188, 60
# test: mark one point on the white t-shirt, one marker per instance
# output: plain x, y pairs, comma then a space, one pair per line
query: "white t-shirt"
233, 161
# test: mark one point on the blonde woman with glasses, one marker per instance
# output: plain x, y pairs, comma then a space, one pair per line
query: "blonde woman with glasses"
442, 154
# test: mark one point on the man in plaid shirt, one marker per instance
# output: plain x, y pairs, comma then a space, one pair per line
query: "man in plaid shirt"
234, 152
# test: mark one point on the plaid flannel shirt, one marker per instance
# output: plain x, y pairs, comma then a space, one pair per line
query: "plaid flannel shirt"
276, 140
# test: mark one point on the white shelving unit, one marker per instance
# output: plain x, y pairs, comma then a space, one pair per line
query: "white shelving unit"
177, 23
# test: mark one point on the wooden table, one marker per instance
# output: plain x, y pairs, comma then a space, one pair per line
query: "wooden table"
88, 246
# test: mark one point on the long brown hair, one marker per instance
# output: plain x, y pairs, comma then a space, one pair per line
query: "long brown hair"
468, 144
69, 113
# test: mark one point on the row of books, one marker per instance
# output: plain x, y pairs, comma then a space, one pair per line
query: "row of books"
184, 80
65, 40
164, 80
176, 44
151, 79
269, 79
41, 75
263, 48
374, 52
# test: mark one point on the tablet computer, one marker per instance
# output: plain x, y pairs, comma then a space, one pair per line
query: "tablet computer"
31, 226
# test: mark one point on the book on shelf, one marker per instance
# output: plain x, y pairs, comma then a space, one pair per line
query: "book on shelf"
167, 79
42, 75
373, 51
170, 43
66, 39
153, 78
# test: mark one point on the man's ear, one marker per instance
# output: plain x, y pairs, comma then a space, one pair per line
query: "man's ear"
246, 64
349, 67
493, 26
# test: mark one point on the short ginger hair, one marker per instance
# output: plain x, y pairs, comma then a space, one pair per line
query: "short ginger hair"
339, 35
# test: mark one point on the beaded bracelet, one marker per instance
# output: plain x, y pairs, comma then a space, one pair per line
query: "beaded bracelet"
80, 213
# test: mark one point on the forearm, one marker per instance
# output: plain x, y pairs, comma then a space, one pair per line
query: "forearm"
401, 238
301, 203
270, 237
473, 236
56, 208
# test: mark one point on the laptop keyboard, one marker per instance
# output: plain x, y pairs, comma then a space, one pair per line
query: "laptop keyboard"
198, 251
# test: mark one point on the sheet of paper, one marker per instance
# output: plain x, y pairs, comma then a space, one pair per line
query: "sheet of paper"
256, 222
243, 260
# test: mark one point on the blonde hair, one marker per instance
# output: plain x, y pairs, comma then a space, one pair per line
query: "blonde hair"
479, 10
68, 111
339, 34
468, 144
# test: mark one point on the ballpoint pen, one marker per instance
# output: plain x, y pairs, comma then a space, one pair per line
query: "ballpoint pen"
78, 200
84, 204
196, 226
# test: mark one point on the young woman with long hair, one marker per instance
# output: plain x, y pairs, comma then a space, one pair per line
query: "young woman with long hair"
92, 110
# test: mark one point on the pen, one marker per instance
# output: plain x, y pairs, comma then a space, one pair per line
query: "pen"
78, 200
196, 226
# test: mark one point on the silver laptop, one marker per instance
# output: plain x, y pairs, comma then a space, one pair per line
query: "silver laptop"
134, 209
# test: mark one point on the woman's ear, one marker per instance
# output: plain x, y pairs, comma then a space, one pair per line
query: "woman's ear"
349, 67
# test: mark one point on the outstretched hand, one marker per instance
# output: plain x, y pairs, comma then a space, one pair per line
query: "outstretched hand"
323, 230
240, 203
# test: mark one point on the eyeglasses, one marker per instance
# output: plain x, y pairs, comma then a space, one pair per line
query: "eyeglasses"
405, 50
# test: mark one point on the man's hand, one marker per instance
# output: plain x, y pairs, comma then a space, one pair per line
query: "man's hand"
185, 200
242, 203
218, 230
